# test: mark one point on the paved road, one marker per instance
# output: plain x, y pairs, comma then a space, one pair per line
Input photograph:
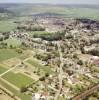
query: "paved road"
60, 71
86, 93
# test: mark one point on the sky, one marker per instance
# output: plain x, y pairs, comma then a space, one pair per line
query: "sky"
53, 1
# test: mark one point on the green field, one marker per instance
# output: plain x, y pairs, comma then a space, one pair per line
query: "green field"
95, 68
7, 54
38, 32
14, 42
82, 13
15, 92
2, 69
6, 26
18, 80
35, 63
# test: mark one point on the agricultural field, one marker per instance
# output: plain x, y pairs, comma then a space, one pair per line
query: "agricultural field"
15, 92
18, 79
77, 13
2, 69
36, 64
73, 12
66, 11
7, 54
6, 26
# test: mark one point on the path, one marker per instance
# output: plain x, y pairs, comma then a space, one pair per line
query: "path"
60, 72
13, 67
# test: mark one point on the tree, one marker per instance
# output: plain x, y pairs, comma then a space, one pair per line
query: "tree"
19, 50
80, 62
46, 74
11, 46
23, 89
1, 38
42, 79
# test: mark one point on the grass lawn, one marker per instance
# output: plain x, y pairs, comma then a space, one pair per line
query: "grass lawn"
6, 26
7, 54
18, 80
38, 32
15, 92
36, 64
95, 68
2, 69
14, 42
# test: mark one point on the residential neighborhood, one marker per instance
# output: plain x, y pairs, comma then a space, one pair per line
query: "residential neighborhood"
50, 57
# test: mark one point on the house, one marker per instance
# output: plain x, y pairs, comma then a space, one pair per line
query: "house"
96, 62
36, 96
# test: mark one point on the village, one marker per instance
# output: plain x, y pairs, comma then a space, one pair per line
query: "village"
66, 46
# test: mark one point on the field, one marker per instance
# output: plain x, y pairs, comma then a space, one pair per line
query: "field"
6, 26
14, 42
2, 69
18, 80
38, 32
7, 54
38, 65
75, 12
15, 92
66, 10
82, 13
71, 11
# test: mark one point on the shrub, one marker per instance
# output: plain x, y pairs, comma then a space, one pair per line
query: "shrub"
23, 89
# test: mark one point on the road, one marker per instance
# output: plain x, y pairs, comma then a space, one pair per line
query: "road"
52, 88
86, 93
13, 67
60, 72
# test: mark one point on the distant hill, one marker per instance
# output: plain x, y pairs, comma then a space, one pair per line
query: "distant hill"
4, 10
75, 11
79, 6
48, 14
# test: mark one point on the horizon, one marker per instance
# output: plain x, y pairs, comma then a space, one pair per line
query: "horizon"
45, 3
63, 2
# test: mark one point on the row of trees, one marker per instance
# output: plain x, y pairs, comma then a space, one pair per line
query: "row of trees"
31, 28
50, 37
4, 37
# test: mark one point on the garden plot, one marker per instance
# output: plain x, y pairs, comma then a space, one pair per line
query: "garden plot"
18, 79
